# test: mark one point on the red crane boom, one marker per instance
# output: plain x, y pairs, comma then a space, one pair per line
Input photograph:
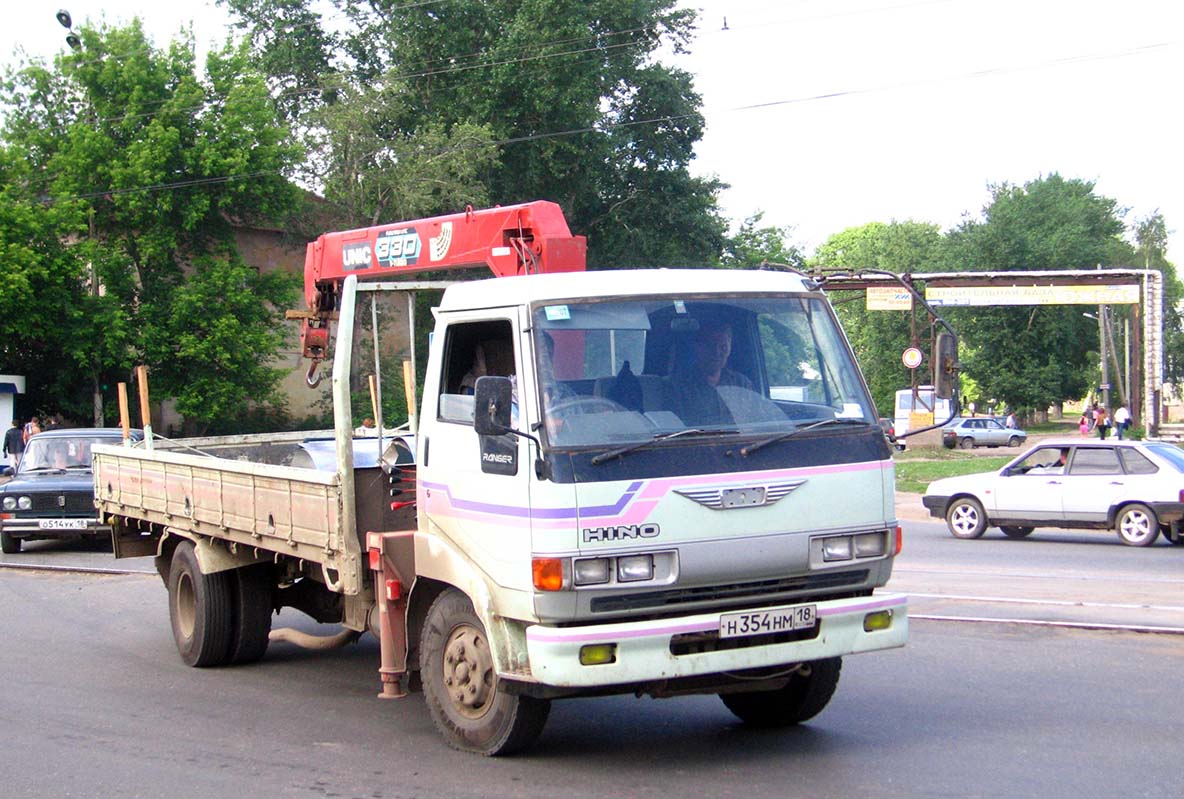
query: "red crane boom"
509, 240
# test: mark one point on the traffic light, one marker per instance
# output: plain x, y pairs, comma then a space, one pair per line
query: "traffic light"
945, 365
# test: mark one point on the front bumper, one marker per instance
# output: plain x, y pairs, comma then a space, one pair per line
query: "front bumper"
644, 652
58, 527
936, 505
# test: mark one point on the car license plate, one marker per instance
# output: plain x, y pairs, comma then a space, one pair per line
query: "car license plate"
62, 524
763, 622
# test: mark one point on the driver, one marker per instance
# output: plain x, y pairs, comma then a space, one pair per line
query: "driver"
693, 394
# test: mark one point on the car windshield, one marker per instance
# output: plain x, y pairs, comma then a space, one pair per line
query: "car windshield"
620, 371
58, 452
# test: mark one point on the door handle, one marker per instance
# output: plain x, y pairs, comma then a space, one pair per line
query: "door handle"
1054, 482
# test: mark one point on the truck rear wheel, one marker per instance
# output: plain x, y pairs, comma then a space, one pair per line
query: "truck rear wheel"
201, 609
253, 608
801, 699
461, 687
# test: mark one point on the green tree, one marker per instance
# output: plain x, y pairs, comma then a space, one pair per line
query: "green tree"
144, 169
753, 246
879, 337
1035, 356
570, 93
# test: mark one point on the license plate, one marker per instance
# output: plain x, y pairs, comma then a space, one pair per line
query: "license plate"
62, 524
763, 622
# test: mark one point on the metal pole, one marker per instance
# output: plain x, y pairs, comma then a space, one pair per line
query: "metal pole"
1126, 359
1105, 367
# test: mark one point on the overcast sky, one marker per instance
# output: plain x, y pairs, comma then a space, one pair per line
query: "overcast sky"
828, 114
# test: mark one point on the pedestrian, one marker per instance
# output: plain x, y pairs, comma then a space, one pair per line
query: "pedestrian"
1009, 423
14, 444
32, 428
1122, 420
1083, 423
1103, 424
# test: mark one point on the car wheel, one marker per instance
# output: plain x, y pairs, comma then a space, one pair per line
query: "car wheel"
966, 518
966, 443
1137, 526
472, 711
8, 544
801, 699
1014, 441
1166, 531
1012, 531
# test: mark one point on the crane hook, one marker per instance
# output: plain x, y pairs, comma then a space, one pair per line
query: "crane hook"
313, 378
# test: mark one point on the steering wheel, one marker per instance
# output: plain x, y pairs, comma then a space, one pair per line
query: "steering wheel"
581, 405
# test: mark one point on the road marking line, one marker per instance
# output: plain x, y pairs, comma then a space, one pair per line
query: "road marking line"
76, 569
1080, 625
1061, 602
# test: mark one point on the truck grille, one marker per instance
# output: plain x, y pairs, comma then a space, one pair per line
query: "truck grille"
735, 594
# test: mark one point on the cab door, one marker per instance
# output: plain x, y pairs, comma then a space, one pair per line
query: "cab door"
474, 493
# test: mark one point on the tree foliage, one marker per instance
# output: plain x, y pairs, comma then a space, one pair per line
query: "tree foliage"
125, 176
880, 337
752, 246
569, 94
1035, 356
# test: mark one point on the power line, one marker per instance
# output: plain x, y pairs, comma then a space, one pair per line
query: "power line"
606, 126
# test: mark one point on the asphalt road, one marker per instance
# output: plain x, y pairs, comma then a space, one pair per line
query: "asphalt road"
97, 703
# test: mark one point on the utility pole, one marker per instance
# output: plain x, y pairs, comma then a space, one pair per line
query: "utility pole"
1105, 365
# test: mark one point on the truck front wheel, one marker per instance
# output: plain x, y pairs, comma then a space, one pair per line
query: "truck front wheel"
461, 686
201, 609
802, 698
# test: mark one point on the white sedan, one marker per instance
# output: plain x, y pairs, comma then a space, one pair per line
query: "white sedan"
1135, 488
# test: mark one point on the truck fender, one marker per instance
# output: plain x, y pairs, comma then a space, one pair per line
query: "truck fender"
212, 556
441, 565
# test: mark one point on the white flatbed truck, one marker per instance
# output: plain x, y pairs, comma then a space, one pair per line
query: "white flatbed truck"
578, 509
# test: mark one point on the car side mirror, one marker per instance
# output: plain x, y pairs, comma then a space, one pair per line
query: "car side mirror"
492, 401
7, 472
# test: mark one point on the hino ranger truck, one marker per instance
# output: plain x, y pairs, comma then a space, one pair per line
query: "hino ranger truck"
660, 482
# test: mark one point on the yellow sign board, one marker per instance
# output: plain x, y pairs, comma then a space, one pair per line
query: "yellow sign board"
888, 298
1032, 295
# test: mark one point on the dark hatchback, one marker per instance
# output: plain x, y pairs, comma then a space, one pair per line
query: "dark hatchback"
52, 494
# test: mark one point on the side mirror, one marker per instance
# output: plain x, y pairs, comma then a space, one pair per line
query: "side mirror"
7, 472
945, 365
491, 416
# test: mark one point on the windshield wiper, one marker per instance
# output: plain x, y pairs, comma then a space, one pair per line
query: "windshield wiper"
657, 438
753, 447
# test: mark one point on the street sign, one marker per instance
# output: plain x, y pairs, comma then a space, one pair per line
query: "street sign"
912, 357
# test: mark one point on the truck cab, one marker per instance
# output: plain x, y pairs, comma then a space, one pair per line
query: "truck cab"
689, 475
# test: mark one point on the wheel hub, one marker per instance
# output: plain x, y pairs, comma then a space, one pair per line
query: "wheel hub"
468, 671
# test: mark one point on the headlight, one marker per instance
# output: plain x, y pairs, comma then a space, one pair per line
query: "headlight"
869, 545
10, 503
592, 571
635, 567
836, 548
24, 503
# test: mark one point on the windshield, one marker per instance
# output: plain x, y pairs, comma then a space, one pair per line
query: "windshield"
617, 371
56, 452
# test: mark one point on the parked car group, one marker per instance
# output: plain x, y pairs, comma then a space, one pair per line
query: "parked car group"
1135, 488
981, 431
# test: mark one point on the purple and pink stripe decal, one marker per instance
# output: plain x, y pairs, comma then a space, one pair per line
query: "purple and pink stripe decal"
633, 506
